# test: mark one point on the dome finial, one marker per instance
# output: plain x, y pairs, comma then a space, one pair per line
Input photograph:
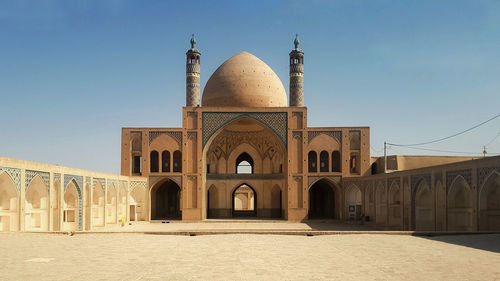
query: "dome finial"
296, 41
193, 41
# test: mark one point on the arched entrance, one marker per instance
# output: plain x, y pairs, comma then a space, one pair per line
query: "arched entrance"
166, 201
321, 200
244, 201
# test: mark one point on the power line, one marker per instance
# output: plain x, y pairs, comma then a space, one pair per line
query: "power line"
446, 151
448, 137
498, 134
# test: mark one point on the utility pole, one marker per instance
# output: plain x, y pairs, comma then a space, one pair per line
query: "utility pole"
385, 157
484, 151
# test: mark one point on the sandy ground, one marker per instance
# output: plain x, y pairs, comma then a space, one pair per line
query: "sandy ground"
129, 256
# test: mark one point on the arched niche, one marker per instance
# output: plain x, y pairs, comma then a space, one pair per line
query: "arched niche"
460, 206
137, 204
9, 206
37, 205
489, 203
71, 207
395, 205
354, 202
424, 215
381, 202
98, 205
111, 204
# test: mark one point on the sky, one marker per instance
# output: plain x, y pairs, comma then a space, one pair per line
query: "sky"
73, 73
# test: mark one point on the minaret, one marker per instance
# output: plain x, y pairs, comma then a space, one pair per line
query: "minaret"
296, 75
193, 75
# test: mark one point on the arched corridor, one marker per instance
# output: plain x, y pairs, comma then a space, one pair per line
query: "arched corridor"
244, 201
322, 201
166, 201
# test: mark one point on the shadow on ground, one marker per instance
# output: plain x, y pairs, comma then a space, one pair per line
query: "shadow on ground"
336, 225
486, 242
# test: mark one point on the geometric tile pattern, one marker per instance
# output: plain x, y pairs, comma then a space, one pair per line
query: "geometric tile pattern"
123, 184
133, 184
30, 174
101, 181
15, 175
394, 180
483, 173
69, 178
276, 121
337, 135
451, 175
177, 136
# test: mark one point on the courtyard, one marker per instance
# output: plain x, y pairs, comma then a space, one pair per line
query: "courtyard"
139, 256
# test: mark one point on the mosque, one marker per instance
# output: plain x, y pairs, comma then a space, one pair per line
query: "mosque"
245, 150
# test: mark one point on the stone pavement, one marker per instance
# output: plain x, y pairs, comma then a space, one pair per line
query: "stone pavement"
132, 256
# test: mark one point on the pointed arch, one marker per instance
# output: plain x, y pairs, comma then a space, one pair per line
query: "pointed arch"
72, 206
354, 202
137, 204
460, 205
111, 204
37, 205
9, 203
489, 203
395, 205
98, 205
424, 215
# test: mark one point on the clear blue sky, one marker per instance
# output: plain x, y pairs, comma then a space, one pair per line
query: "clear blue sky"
72, 73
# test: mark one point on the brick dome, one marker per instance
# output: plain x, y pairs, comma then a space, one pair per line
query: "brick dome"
244, 81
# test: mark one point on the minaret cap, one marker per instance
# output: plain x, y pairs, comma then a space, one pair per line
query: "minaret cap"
193, 46
296, 42
193, 42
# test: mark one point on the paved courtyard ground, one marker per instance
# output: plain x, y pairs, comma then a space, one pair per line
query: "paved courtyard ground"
132, 256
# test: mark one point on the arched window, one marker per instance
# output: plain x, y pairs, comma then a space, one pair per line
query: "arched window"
312, 159
336, 161
177, 161
165, 161
323, 161
153, 161
244, 164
